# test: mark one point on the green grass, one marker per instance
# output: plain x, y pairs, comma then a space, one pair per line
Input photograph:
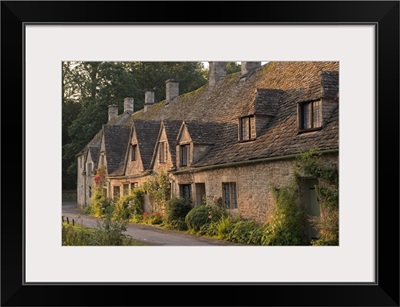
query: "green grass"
79, 235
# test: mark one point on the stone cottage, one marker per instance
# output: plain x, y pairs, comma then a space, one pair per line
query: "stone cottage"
233, 138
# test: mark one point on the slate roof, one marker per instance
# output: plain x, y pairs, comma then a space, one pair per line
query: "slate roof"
146, 133
267, 101
116, 138
203, 132
211, 114
94, 152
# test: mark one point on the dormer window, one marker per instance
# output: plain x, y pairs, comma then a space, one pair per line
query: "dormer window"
89, 168
184, 153
310, 115
247, 128
133, 152
162, 152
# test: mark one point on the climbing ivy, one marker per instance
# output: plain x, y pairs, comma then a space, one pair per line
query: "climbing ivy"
159, 190
310, 163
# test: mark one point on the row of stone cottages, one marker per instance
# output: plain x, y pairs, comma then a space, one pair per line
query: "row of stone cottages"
233, 138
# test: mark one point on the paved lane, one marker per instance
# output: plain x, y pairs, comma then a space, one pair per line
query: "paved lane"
151, 235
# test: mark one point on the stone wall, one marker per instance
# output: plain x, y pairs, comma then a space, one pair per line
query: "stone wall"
254, 185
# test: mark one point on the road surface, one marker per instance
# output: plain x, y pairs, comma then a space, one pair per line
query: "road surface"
151, 235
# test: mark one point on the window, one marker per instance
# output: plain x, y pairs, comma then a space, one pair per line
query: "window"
184, 154
126, 189
229, 195
90, 191
247, 128
116, 192
101, 159
310, 115
89, 168
185, 191
162, 152
134, 185
80, 161
133, 152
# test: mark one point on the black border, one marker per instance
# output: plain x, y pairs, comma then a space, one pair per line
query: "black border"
383, 14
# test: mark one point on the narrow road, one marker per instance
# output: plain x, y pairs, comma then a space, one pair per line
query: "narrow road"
151, 235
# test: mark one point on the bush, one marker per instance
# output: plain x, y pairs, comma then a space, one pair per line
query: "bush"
88, 210
175, 213
130, 207
287, 226
109, 232
246, 232
198, 217
100, 205
152, 218
75, 235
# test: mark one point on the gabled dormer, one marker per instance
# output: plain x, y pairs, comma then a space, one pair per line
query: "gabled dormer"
113, 148
263, 109
164, 156
317, 103
141, 146
194, 141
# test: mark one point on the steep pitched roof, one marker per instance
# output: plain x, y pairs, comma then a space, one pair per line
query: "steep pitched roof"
267, 101
116, 139
233, 97
94, 153
280, 138
203, 132
146, 133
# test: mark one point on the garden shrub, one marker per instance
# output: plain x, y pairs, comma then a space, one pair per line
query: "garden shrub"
198, 217
109, 232
100, 205
130, 207
88, 210
75, 235
155, 218
245, 232
287, 224
176, 211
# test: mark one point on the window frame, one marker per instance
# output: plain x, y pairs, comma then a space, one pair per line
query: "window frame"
250, 130
133, 152
162, 152
181, 155
301, 113
182, 190
231, 188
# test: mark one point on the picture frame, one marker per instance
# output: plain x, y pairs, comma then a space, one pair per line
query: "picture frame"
15, 291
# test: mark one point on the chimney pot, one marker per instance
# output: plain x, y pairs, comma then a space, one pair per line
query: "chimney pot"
248, 67
171, 90
128, 104
112, 111
148, 99
216, 72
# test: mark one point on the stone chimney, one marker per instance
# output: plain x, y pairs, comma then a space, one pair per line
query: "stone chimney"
171, 90
128, 104
148, 99
112, 111
249, 67
216, 72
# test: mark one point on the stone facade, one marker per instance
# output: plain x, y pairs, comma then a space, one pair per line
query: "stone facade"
235, 138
